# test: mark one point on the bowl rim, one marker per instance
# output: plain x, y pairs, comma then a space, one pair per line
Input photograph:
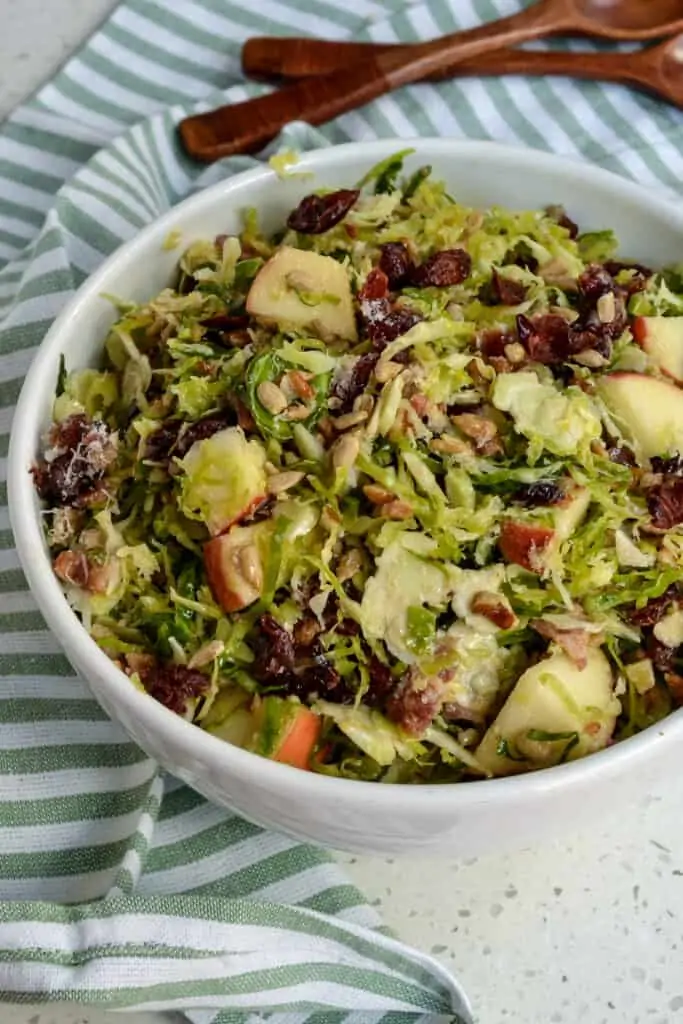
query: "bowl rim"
90, 661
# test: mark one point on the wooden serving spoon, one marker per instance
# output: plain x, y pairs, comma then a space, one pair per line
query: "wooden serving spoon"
657, 69
246, 127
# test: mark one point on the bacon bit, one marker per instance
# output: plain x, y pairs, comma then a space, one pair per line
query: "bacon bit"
396, 509
415, 703
494, 608
574, 642
525, 544
140, 663
377, 495
72, 567
101, 578
591, 728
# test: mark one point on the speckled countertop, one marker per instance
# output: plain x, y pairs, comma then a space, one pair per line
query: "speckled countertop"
588, 929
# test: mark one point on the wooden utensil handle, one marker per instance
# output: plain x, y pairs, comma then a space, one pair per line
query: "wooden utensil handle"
277, 58
247, 127
270, 58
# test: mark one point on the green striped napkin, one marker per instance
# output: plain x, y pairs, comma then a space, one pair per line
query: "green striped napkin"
124, 889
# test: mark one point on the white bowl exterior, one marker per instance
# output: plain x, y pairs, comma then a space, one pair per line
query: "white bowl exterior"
458, 820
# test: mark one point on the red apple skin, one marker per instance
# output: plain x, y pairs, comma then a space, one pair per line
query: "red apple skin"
224, 572
244, 514
525, 544
639, 330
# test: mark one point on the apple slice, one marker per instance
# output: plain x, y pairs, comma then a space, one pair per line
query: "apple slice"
306, 290
662, 338
532, 545
648, 410
556, 712
234, 565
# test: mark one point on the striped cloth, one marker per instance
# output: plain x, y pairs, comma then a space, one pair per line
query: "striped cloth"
141, 893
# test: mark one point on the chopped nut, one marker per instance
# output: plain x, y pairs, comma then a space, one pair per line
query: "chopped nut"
386, 370
607, 308
477, 427
271, 397
345, 451
279, 482
364, 403
590, 358
377, 495
209, 652
515, 353
250, 566
297, 412
350, 419
448, 445
396, 509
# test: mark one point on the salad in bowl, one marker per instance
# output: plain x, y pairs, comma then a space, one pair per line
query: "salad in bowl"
393, 494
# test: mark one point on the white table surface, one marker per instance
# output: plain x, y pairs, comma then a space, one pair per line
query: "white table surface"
588, 929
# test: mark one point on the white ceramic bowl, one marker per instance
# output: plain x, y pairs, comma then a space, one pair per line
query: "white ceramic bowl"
367, 817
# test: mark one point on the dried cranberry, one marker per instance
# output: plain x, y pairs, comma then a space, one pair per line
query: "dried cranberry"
316, 214
654, 610
381, 683
595, 282
543, 492
350, 385
622, 456
226, 322
491, 343
201, 430
506, 291
274, 653
392, 326
158, 445
546, 338
559, 214
81, 451
396, 263
672, 466
376, 285
665, 503
444, 268
175, 686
